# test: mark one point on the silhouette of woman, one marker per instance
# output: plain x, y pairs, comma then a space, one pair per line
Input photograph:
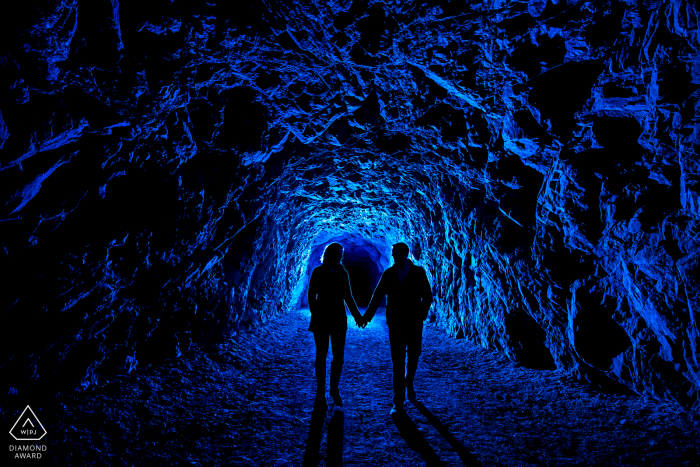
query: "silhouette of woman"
329, 292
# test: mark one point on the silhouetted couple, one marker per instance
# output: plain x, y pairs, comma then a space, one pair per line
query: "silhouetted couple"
409, 298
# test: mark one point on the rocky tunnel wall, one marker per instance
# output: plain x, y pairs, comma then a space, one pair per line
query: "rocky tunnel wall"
168, 170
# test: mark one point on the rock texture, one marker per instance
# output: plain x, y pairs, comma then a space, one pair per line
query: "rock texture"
169, 170
249, 401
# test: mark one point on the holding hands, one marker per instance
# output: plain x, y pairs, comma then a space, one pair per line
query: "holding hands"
361, 321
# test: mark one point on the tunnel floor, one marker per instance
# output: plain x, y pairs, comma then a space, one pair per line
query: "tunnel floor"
249, 401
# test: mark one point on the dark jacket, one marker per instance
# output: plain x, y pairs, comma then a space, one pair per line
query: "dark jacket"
405, 303
329, 292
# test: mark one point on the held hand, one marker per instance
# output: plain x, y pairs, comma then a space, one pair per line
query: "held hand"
364, 322
359, 321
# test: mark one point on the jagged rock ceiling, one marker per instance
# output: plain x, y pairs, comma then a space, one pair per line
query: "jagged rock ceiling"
169, 170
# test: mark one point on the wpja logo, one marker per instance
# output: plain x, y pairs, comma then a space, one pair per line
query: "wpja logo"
28, 428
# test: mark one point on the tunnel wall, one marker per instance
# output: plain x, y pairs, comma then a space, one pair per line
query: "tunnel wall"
167, 169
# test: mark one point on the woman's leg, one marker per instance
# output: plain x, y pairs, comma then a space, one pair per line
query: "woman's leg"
338, 345
321, 341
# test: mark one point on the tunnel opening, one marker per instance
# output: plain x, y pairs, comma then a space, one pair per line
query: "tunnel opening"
364, 259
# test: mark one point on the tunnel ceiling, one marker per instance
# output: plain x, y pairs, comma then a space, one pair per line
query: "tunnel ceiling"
168, 169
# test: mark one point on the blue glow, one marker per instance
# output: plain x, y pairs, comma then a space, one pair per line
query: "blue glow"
171, 174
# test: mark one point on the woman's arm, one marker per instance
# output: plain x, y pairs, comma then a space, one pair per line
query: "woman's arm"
377, 298
350, 300
313, 291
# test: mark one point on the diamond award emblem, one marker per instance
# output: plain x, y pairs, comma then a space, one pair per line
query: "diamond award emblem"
28, 427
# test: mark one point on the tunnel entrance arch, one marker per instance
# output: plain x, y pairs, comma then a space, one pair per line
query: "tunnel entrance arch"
363, 258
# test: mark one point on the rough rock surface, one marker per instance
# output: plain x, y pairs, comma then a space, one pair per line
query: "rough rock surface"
168, 168
249, 402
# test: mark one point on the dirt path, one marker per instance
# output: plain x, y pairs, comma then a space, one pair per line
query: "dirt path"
250, 402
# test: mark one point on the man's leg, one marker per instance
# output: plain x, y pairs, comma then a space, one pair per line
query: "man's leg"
397, 343
321, 341
414, 343
338, 346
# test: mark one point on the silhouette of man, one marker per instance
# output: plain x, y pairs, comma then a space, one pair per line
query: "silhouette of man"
409, 298
329, 292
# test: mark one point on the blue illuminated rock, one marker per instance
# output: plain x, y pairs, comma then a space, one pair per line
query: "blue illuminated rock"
171, 172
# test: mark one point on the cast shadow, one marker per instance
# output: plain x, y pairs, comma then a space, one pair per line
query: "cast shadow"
336, 436
313, 442
415, 439
467, 457
334, 440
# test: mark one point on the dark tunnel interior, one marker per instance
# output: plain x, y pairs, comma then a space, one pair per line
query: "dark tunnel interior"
361, 279
172, 170
363, 259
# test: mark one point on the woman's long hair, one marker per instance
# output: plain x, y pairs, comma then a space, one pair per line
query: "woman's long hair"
331, 247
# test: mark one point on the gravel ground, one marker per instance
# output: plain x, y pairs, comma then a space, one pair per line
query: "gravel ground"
250, 401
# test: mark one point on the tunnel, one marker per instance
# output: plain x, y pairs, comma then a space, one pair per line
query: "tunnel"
363, 258
172, 172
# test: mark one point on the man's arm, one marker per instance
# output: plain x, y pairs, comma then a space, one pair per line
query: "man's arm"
377, 297
426, 295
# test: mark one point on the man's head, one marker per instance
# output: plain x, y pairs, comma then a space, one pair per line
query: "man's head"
333, 254
400, 253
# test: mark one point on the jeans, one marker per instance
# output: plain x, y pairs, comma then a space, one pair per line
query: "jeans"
404, 340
